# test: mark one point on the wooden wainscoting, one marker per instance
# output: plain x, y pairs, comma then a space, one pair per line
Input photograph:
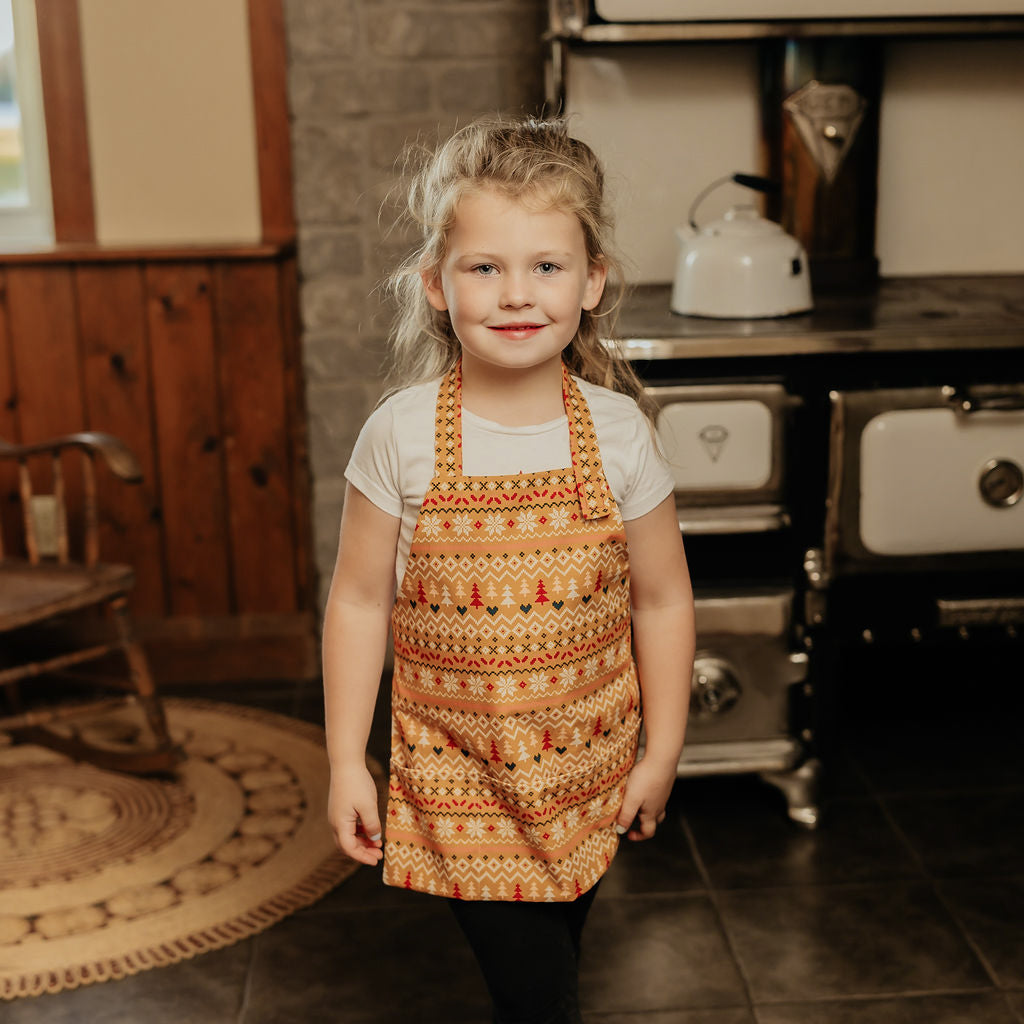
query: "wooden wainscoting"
191, 357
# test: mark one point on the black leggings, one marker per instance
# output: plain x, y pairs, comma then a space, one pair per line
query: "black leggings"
529, 954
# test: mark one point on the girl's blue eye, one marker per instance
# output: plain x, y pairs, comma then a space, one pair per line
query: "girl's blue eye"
485, 268
548, 268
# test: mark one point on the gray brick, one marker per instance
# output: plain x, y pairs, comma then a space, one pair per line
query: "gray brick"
330, 250
322, 28
335, 357
437, 34
329, 172
332, 302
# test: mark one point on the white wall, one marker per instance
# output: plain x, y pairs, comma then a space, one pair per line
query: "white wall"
669, 120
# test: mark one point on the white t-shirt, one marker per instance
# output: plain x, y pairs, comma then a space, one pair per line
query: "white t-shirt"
393, 459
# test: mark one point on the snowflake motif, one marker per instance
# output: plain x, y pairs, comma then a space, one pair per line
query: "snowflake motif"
528, 521
594, 808
475, 828
592, 667
567, 676
477, 686
557, 832
572, 819
559, 518
445, 828
431, 526
405, 816
539, 679
495, 524
450, 682
506, 687
506, 829
462, 523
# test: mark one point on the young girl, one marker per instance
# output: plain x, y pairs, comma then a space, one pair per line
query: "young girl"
512, 493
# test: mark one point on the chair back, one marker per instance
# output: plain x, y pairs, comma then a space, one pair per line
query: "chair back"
42, 482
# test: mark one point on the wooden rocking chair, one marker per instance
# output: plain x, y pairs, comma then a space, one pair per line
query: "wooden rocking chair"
47, 588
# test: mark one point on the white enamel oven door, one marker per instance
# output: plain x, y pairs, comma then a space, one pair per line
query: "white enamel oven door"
926, 479
725, 444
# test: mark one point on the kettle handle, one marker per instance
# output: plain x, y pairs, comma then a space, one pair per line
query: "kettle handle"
751, 181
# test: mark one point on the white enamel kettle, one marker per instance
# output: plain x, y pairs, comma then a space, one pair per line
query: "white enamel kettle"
741, 265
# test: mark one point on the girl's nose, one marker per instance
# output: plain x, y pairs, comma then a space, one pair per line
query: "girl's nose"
515, 291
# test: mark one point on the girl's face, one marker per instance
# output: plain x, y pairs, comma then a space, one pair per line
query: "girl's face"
514, 281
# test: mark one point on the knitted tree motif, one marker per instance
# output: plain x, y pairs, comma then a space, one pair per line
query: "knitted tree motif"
600, 581
542, 595
546, 744
495, 755
492, 591
506, 595
598, 728
572, 592
408, 880
420, 592
446, 597
518, 894
475, 600
456, 892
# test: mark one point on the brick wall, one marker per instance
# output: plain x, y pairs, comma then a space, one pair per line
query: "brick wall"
365, 77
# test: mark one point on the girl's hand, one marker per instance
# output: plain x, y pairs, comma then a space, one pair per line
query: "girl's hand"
353, 815
647, 791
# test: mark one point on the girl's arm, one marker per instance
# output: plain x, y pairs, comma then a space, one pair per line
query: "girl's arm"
356, 623
664, 642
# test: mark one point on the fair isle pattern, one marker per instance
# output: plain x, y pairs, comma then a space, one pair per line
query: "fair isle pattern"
515, 699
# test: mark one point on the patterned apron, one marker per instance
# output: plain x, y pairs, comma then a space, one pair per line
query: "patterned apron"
515, 702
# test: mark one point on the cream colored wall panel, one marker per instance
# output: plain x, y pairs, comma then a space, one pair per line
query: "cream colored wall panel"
171, 125
666, 121
951, 163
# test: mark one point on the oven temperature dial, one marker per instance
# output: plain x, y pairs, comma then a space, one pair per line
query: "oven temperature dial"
1001, 483
715, 686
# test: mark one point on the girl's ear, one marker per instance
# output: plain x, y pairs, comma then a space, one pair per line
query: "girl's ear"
594, 288
435, 292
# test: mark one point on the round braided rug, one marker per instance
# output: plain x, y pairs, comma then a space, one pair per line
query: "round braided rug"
104, 874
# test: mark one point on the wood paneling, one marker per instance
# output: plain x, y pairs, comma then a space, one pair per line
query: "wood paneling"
116, 373
60, 59
255, 433
269, 58
8, 421
189, 442
193, 361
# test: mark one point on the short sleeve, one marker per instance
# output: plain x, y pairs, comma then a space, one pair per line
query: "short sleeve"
648, 479
374, 467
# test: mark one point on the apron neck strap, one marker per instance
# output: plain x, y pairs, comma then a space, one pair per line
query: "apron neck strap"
591, 486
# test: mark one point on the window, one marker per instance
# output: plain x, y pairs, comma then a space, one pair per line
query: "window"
26, 218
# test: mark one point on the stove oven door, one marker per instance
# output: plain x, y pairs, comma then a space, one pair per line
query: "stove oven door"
926, 485
725, 444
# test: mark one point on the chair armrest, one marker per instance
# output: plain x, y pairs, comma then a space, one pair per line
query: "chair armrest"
117, 455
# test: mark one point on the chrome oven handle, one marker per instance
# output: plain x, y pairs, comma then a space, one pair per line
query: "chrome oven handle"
964, 401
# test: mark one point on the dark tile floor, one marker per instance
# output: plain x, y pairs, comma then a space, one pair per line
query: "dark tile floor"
905, 907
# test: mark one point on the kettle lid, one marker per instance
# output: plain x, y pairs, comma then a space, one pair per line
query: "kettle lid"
742, 221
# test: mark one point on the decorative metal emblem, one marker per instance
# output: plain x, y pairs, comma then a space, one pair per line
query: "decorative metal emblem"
1001, 483
827, 118
713, 437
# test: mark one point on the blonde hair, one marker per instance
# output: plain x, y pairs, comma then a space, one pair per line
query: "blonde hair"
525, 159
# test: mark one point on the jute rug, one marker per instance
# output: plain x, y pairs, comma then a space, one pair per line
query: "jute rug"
103, 874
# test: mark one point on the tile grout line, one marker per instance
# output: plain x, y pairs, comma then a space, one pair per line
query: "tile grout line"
712, 894
936, 889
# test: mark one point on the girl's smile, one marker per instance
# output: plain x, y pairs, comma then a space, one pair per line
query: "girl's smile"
515, 280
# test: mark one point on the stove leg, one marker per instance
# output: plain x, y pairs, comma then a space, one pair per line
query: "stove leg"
801, 788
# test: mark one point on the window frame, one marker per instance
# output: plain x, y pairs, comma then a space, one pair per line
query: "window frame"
31, 225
